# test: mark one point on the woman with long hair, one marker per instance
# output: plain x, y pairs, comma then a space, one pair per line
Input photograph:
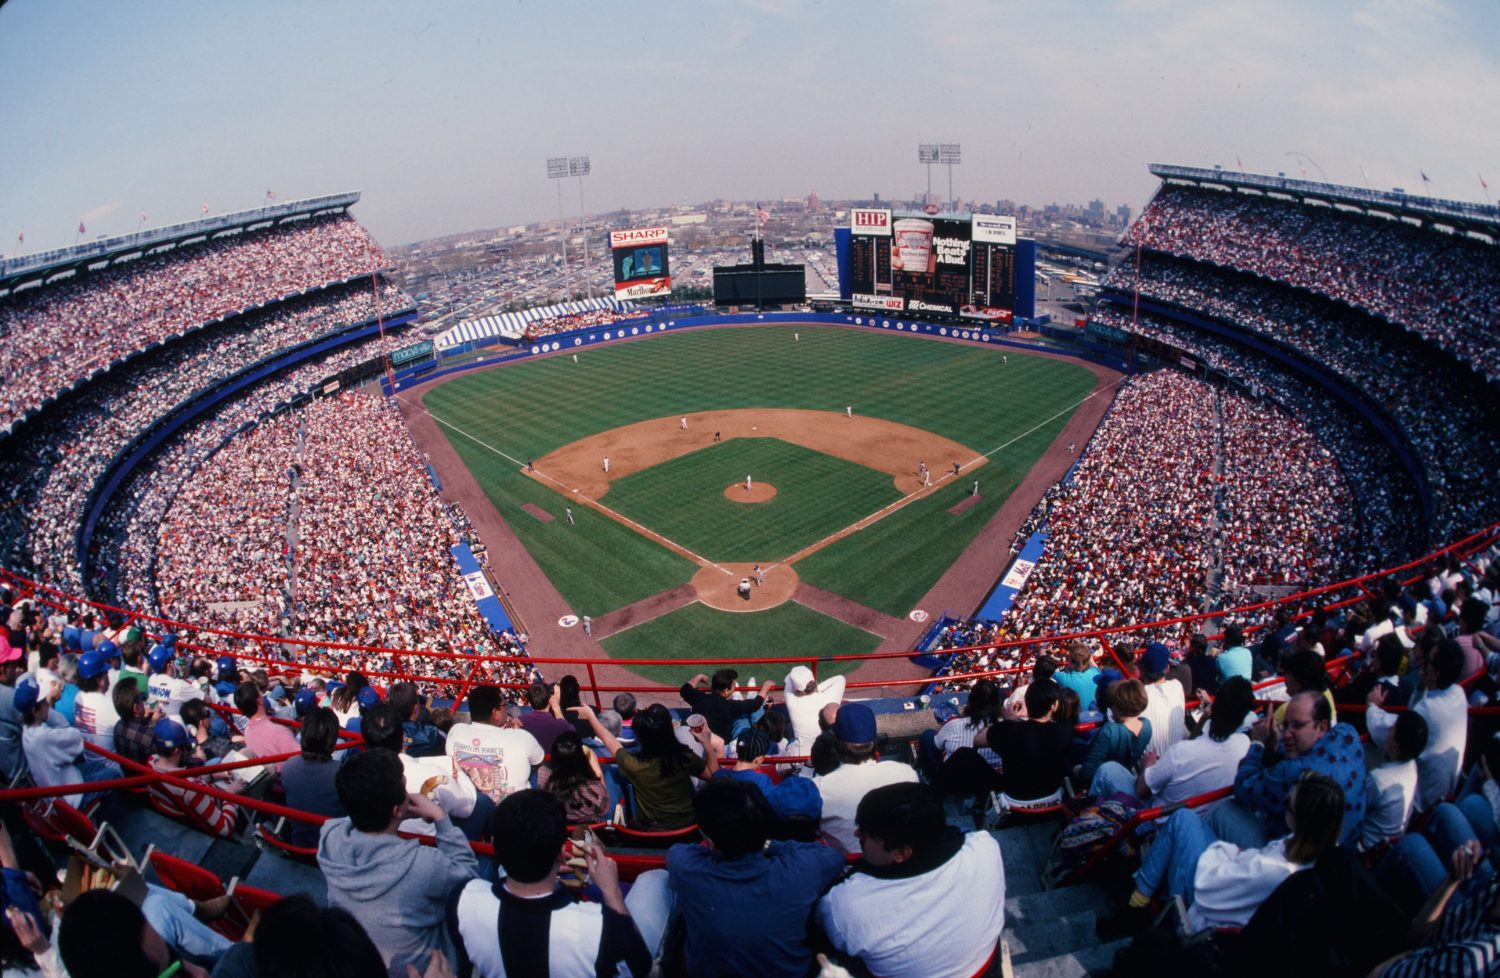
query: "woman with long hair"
662, 771
308, 777
572, 773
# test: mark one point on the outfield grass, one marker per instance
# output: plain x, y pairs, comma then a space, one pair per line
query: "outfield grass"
960, 392
785, 630
683, 499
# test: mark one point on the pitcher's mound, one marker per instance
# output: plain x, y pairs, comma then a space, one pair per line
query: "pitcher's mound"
758, 492
720, 590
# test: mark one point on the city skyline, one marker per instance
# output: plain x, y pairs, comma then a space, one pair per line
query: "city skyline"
444, 115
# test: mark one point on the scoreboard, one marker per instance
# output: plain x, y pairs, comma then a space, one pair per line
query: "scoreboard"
642, 265
924, 264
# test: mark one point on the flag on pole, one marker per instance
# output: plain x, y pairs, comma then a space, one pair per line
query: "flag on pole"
270, 195
143, 217
81, 228
21, 238
1237, 161
205, 207
1481, 181
761, 216
1425, 181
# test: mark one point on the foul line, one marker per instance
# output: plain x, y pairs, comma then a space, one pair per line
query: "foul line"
564, 488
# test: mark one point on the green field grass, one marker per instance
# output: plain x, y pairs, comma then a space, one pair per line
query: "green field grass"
523, 411
785, 630
683, 499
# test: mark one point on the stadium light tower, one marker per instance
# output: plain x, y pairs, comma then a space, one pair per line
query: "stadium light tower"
557, 169
927, 153
952, 155
578, 166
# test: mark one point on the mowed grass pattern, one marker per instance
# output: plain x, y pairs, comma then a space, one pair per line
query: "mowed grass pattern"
785, 630
815, 494
960, 392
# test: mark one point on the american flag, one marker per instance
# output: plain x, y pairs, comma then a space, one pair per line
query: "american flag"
1424, 178
1482, 183
205, 207
270, 195
81, 228
761, 216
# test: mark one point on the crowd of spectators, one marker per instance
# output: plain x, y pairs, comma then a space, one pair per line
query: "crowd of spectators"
322, 524
1423, 397
55, 335
1186, 487
1385, 498
62, 455
536, 329
1442, 286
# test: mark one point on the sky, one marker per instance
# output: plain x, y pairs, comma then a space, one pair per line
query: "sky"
444, 114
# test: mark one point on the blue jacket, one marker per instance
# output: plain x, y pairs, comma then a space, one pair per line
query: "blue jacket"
1263, 787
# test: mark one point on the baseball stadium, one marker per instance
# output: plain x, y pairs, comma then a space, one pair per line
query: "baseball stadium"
903, 629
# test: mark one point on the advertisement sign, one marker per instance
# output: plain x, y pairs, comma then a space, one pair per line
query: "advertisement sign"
641, 262
993, 229
947, 266
886, 303
866, 220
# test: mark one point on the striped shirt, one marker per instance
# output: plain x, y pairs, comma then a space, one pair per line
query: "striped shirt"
1467, 942
180, 802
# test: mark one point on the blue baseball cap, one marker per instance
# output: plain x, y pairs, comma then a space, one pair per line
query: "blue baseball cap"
796, 796
367, 697
225, 663
169, 735
109, 649
92, 663
307, 699
159, 656
26, 695
855, 724
169, 640
1157, 659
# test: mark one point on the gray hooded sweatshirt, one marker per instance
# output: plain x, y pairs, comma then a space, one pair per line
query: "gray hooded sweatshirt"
396, 888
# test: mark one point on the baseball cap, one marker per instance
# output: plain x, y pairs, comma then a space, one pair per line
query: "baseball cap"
1156, 659
169, 640
796, 796
798, 678
752, 743
367, 697
307, 699
159, 656
855, 724
109, 649
1107, 676
224, 663
26, 695
169, 735
92, 663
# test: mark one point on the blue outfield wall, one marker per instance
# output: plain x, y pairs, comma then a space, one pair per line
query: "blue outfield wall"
147, 442
1004, 594
580, 339
484, 596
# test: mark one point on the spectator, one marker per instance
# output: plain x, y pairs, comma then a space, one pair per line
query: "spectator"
805, 698
54, 751
498, 757
443, 780
135, 731
1442, 704
749, 755
662, 771
93, 711
1202, 666
309, 777
939, 747
394, 887
1275, 761
1033, 750
1234, 659
544, 722
105, 935
1223, 884
1080, 675
421, 737
1205, 763
624, 704
916, 867
1117, 748
263, 736
858, 773
724, 715
171, 753
527, 924
1391, 789
573, 774
211, 737
737, 876
1165, 699
12, 667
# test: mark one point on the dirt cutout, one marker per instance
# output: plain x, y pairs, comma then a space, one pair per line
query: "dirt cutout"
578, 472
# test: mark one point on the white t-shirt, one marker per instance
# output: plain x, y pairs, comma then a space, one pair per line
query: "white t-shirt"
845, 787
1231, 883
955, 913
1195, 767
1165, 709
1447, 714
497, 759
573, 933
1390, 793
95, 717
804, 709
454, 795
171, 692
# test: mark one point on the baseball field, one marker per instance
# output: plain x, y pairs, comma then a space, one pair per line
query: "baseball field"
648, 480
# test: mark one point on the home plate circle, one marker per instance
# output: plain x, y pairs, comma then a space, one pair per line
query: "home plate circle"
917, 615
568, 621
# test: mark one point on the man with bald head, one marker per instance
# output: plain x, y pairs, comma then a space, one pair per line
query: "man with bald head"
1306, 740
